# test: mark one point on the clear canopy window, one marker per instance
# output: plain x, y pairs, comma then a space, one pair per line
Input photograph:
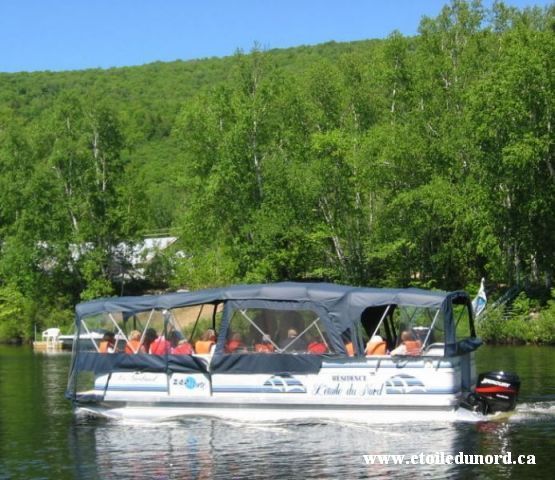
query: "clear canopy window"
134, 333
276, 331
394, 323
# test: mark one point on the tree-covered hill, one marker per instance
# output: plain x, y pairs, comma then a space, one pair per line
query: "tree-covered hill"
423, 160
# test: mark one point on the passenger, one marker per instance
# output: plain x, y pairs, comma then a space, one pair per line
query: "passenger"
159, 346
376, 346
317, 347
150, 336
179, 344
206, 343
409, 345
134, 343
235, 344
296, 344
265, 345
108, 343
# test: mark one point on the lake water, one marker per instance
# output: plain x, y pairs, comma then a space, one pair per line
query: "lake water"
41, 438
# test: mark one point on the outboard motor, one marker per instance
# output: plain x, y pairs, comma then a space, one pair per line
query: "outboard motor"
496, 392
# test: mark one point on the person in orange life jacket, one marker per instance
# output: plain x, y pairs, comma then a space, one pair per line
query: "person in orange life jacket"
409, 345
265, 345
235, 344
179, 344
108, 343
206, 343
376, 346
159, 346
134, 343
317, 346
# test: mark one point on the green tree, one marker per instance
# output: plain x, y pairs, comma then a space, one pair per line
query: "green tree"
511, 119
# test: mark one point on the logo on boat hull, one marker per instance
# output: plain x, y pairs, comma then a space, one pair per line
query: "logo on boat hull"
190, 383
404, 384
284, 383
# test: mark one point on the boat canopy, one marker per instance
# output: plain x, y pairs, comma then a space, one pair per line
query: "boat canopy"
339, 307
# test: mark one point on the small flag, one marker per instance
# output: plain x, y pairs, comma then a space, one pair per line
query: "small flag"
480, 300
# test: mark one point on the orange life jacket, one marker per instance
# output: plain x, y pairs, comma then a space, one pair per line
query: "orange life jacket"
160, 346
350, 349
184, 348
233, 345
263, 348
413, 347
134, 346
317, 348
376, 348
203, 346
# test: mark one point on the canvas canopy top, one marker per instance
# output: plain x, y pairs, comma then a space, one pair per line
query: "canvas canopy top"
339, 306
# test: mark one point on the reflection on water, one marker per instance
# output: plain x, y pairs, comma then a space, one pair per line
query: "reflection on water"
40, 437
207, 448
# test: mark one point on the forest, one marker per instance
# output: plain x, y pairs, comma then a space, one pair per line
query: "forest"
421, 161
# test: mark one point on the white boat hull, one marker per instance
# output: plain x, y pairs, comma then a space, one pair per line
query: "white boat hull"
263, 415
372, 390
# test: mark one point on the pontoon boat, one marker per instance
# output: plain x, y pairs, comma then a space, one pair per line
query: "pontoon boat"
285, 351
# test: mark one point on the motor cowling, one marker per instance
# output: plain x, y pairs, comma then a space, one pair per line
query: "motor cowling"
497, 391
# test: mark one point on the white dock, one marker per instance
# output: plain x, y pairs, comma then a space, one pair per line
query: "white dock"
47, 346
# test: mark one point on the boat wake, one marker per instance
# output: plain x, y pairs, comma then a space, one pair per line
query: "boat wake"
537, 411
525, 412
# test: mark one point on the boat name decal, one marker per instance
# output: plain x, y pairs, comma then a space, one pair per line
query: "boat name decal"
397, 384
348, 378
144, 377
349, 389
